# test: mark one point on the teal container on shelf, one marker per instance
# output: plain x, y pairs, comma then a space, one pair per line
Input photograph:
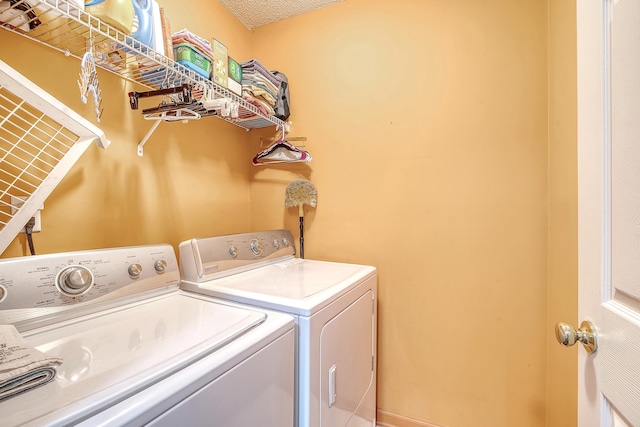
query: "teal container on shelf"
191, 58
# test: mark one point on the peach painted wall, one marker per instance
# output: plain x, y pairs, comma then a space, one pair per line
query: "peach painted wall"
427, 121
562, 297
432, 126
192, 181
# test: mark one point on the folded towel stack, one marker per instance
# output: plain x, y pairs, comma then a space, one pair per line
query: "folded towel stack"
193, 52
198, 43
22, 367
259, 86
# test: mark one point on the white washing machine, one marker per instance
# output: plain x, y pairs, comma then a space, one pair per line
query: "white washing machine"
137, 350
334, 305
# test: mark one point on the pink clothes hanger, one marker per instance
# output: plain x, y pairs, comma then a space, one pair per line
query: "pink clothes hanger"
282, 151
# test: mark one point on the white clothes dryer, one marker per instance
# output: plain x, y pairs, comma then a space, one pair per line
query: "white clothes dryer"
136, 350
334, 306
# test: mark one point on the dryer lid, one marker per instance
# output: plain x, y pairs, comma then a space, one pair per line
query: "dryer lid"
294, 286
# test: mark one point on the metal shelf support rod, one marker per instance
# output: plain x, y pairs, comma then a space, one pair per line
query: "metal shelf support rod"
146, 137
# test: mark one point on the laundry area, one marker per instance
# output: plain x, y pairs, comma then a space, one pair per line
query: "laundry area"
237, 213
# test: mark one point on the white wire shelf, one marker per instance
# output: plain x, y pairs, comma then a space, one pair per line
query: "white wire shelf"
40, 140
63, 26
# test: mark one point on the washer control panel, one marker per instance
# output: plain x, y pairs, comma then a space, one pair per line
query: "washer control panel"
208, 258
59, 280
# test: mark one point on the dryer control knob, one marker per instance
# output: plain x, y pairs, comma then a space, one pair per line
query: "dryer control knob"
74, 280
285, 242
3, 293
276, 244
135, 270
160, 266
233, 251
256, 247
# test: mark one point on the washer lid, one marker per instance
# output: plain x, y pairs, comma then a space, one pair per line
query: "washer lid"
111, 355
294, 286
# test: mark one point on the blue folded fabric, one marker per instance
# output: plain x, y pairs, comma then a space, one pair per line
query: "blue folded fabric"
27, 381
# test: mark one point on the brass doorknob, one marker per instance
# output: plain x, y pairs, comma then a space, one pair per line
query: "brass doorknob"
587, 335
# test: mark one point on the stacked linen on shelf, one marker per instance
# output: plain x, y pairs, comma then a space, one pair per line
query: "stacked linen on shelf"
259, 86
197, 42
193, 51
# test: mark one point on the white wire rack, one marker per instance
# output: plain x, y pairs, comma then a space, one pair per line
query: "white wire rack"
40, 140
63, 26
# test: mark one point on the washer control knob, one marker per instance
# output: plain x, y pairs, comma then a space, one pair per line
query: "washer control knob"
285, 242
74, 280
135, 270
160, 266
3, 293
233, 251
276, 244
256, 247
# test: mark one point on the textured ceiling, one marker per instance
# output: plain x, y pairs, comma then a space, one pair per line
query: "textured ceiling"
254, 13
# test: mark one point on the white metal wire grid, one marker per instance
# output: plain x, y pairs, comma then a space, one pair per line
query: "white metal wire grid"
63, 26
40, 140
31, 145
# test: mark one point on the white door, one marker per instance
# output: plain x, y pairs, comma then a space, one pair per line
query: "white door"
609, 209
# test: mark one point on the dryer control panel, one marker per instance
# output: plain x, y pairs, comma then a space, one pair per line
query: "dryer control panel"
33, 286
214, 257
